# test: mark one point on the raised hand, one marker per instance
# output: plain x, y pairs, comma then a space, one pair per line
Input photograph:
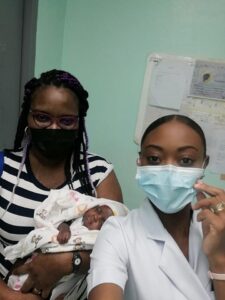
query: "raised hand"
211, 201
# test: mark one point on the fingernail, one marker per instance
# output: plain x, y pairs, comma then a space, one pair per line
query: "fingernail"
199, 182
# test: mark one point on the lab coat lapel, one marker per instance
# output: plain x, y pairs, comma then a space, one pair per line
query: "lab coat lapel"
173, 263
176, 267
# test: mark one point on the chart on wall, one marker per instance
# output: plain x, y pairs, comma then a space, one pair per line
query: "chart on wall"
188, 86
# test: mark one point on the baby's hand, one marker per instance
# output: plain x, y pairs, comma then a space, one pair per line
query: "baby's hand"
64, 233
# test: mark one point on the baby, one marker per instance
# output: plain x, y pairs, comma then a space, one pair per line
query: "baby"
93, 219
65, 221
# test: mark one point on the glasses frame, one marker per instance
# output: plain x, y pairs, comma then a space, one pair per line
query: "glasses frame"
53, 120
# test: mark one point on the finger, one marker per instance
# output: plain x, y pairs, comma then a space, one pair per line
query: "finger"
205, 214
28, 285
35, 291
204, 203
23, 269
210, 190
212, 213
45, 293
211, 219
200, 196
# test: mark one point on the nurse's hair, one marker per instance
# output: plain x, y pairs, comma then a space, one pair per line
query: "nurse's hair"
180, 118
60, 79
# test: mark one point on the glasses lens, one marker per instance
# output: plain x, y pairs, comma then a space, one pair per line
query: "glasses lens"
42, 120
68, 121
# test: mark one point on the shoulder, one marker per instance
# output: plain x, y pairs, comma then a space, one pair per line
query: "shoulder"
110, 255
97, 159
99, 167
120, 229
12, 158
13, 155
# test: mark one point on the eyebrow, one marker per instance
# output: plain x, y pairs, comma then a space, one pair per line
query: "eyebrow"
180, 149
38, 111
50, 115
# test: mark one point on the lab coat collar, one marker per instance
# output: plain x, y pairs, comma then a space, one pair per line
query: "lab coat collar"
192, 281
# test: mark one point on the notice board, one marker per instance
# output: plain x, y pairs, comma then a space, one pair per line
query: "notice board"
188, 86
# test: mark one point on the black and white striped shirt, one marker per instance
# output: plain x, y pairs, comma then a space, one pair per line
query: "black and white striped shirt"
17, 221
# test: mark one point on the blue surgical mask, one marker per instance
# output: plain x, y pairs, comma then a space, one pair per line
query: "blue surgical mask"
168, 187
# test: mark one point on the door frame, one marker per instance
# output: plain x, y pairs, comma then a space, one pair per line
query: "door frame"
28, 43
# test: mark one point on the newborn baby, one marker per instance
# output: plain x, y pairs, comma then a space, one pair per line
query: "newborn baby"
93, 218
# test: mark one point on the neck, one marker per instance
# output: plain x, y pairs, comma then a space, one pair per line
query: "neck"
177, 223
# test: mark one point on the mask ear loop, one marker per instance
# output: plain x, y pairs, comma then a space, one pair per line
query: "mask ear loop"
204, 165
26, 138
205, 162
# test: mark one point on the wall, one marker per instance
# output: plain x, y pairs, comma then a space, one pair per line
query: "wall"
106, 44
50, 32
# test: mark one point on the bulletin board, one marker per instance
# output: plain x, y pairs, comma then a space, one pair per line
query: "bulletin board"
188, 86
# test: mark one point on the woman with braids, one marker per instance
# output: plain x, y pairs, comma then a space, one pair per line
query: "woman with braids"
50, 152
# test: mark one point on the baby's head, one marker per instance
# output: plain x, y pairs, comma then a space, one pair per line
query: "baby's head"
94, 217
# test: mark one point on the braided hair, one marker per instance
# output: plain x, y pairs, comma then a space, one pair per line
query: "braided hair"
59, 78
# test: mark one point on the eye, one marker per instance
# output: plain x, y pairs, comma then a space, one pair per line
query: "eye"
42, 118
153, 160
186, 162
68, 121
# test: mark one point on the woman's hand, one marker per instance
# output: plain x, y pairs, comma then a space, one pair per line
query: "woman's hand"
7, 293
213, 223
44, 271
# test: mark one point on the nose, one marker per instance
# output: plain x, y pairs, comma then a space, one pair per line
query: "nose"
54, 125
95, 218
170, 162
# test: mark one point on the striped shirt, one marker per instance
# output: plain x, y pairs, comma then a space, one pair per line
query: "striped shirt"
17, 221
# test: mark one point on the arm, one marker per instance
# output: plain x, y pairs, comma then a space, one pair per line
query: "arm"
109, 259
57, 266
109, 188
44, 271
106, 291
213, 225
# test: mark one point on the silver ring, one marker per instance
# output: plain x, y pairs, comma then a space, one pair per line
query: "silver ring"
37, 291
218, 207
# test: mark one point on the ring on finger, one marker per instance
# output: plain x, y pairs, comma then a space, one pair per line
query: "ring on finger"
37, 291
218, 207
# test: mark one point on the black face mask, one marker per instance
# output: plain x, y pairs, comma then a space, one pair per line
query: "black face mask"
54, 143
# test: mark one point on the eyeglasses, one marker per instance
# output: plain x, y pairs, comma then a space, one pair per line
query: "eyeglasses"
44, 120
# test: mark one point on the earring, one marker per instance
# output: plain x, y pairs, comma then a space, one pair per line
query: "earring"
26, 137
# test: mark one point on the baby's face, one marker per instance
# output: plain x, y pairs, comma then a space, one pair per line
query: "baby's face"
96, 216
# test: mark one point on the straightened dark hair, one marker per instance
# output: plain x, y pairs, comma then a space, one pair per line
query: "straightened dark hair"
181, 118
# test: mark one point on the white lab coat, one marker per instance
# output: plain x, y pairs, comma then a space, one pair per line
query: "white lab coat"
138, 254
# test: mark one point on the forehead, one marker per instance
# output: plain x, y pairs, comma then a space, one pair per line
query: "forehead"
48, 96
106, 210
173, 135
